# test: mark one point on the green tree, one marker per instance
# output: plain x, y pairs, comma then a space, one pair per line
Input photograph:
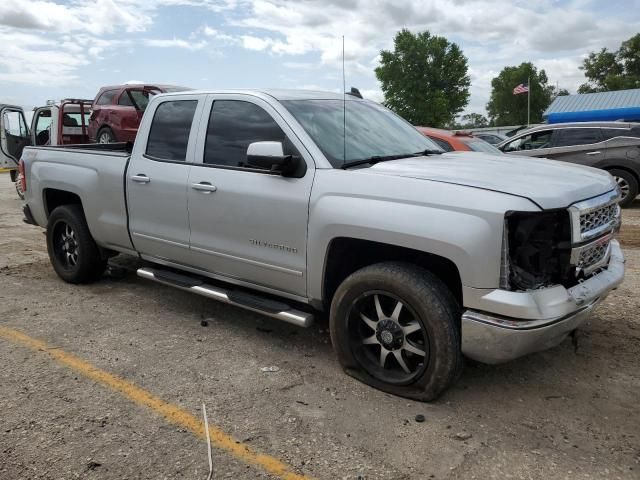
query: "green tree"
473, 120
424, 79
618, 70
505, 108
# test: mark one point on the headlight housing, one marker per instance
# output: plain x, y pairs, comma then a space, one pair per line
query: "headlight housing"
536, 250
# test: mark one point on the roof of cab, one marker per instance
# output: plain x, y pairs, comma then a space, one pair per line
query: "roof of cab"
279, 94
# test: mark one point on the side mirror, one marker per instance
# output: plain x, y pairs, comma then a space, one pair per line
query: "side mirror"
270, 156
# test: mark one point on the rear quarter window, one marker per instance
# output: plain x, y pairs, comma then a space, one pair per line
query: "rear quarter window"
170, 129
106, 98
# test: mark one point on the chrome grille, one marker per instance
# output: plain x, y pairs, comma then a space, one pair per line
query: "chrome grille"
597, 218
592, 255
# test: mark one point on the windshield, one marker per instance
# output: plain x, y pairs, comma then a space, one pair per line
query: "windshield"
371, 130
482, 146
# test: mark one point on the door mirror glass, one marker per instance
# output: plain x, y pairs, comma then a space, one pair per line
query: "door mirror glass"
270, 156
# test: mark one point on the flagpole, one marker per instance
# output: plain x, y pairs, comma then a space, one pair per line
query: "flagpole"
529, 102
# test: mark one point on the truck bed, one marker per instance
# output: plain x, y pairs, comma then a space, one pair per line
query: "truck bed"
95, 174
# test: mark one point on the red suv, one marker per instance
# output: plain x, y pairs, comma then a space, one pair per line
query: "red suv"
117, 111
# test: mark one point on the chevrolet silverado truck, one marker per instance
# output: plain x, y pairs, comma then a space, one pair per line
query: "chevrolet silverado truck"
276, 202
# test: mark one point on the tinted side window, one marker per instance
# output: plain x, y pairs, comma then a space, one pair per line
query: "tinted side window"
125, 100
169, 134
533, 141
609, 133
443, 144
107, 97
233, 125
578, 136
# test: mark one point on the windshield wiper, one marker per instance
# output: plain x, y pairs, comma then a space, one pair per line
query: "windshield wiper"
384, 158
428, 152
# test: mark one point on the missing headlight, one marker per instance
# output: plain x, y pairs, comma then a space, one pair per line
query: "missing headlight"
537, 251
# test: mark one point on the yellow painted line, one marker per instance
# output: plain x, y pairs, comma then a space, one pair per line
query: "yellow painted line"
171, 413
2, 170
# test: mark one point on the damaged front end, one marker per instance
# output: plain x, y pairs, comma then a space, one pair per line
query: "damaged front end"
558, 247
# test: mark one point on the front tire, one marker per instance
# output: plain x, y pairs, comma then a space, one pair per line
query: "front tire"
396, 327
72, 251
628, 185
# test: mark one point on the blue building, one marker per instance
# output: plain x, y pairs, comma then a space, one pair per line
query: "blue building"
601, 106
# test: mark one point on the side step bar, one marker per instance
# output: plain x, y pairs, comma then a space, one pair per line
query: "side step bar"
248, 301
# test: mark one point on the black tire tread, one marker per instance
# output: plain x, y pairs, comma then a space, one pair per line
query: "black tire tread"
442, 305
91, 264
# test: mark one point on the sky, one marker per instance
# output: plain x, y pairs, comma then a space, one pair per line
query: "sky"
53, 49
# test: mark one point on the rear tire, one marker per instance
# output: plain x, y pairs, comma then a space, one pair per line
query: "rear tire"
628, 185
18, 185
72, 251
105, 135
412, 350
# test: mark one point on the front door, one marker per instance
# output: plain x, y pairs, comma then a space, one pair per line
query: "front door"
14, 136
248, 224
157, 180
535, 144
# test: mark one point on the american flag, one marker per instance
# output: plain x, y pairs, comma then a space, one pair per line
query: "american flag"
522, 88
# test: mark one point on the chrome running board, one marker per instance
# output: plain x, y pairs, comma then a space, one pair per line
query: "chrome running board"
238, 298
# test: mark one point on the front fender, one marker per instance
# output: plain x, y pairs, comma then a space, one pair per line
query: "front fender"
461, 224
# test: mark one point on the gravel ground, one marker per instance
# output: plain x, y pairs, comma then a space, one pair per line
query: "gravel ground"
565, 413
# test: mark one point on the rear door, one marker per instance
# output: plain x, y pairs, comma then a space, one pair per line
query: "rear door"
14, 136
128, 115
157, 179
248, 224
583, 145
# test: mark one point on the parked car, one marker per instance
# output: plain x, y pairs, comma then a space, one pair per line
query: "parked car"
118, 109
57, 123
419, 256
611, 146
458, 141
492, 138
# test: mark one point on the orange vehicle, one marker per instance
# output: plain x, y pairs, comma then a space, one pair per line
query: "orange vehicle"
457, 141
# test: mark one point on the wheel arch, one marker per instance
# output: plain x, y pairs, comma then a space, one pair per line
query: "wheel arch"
54, 197
346, 255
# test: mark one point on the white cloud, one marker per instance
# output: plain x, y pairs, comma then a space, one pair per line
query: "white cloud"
175, 43
55, 38
95, 17
492, 33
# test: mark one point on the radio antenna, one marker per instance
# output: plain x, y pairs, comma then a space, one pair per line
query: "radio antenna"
344, 109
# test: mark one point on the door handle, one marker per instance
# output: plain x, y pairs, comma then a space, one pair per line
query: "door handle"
594, 153
140, 178
204, 187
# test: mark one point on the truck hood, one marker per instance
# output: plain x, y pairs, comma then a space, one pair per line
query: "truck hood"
548, 183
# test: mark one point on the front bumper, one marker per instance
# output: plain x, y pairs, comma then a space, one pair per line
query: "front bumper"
490, 338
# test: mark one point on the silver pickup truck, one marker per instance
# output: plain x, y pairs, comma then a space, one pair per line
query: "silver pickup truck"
277, 202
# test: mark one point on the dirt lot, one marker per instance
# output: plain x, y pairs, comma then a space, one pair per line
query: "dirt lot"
564, 413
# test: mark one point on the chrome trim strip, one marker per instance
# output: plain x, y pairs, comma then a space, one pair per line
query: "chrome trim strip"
295, 317
297, 273
162, 240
